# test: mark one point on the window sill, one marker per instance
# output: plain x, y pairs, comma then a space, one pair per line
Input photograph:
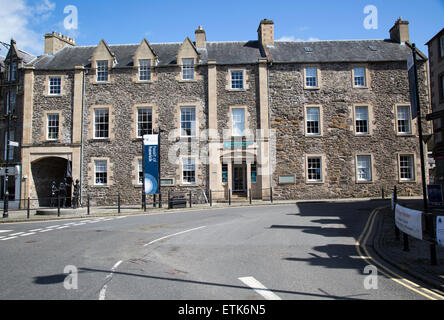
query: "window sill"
100, 186
359, 87
365, 182
314, 182
407, 181
312, 88
186, 80
409, 135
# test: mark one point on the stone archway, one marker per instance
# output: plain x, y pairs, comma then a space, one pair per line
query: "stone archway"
44, 172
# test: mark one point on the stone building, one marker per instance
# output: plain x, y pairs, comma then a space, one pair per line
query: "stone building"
324, 119
436, 62
11, 105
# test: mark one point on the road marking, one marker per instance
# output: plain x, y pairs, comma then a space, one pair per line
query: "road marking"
46, 230
4, 231
108, 278
16, 234
62, 227
27, 234
52, 227
172, 235
79, 224
362, 241
35, 230
8, 238
259, 288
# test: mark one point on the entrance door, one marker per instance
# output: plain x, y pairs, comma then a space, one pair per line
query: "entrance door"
239, 178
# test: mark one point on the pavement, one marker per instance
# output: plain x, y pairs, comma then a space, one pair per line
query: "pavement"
415, 262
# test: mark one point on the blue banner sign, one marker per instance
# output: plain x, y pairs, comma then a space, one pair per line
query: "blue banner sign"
151, 163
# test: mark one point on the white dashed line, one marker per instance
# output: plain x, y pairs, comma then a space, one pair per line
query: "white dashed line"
4, 231
35, 230
27, 234
8, 238
62, 227
172, 235
259, 288
16, 234
108, 278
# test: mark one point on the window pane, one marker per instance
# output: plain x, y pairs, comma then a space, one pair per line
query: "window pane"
100, 172
144, 121
188, 69
313, 121
101, 123
53, 127
361, 114
102, 71
359, 77
237, 80
144, 70
188, 121
406, 167
314, 169
188, 170
238, 118
55, 85
364, 168
404, 119
311, 77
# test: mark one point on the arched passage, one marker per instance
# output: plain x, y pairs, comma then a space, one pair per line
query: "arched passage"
45, 171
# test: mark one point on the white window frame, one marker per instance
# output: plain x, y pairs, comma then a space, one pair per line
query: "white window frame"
102, 71
358, 117
96, 111
235, 81
320, 168
140, 176
192, 165
192, 121
237, 126
139, 122
145, 70
405, 115
308, 119
100, 164
363, 77
369, 163
310, 77
411, 167
187, 68
50, 124
55, 89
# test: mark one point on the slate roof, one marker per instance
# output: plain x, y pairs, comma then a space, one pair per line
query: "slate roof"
240, 52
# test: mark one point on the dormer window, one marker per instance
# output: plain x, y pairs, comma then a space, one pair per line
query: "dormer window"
12, 74
102, 71
144, 70
188, 69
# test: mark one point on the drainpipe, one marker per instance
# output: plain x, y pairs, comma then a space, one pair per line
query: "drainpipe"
269, 125
81, 138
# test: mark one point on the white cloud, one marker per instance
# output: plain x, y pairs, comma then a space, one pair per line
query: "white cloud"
17, 18
292, 38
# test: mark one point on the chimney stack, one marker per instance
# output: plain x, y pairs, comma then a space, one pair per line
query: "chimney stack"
400, 31
265, 32
55, 42
200, 37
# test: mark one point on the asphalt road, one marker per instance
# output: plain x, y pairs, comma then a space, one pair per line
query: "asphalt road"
283, 252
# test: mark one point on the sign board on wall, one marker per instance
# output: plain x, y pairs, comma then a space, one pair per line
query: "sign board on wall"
151, 163
409, 221
434, 194
440, 230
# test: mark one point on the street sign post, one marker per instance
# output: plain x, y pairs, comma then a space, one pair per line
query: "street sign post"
151, 164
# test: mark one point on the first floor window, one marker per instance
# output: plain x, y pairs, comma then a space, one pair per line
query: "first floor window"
311, 77
188, 69
188, 121
238, 119
224, 172
237, 80
11, 102
253, 172
406, 167
140, 171
55, 85
144, 70
364, 168
101, 123
101, 172
359, 77
313, 121
53, 126
314, 169
188, 170
361, 114
403, 114
144, 121
102, 71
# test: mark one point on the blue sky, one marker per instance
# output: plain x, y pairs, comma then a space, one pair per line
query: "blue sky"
130, 21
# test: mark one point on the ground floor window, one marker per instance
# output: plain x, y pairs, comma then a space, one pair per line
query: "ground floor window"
406, 167
314, 169
188, 171
101, 172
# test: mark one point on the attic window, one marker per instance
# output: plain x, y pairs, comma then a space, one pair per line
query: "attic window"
372, 48
308, 49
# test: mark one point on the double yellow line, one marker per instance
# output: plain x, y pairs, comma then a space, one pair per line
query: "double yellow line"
361, 244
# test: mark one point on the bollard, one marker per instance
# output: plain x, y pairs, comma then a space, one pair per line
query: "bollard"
160, 200
144, 202
271, 194
58, 205
211, 198
229, 197
87, 203
406, 241
154, 200
118, 203
29, 207
190, 198
395, 199
250, 195
433, 260
382, 192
